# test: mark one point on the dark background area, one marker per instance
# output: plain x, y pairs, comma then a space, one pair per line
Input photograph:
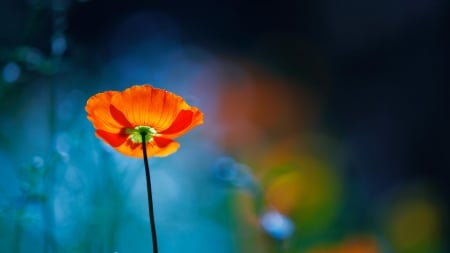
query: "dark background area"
386, 78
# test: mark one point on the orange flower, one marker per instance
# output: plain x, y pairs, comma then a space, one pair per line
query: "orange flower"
119, 119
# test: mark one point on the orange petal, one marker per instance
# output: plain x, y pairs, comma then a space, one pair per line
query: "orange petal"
186, 120
147, 106
111, 138
161, 147
118, 116
166, 146
182, 121
135, 149
98, 109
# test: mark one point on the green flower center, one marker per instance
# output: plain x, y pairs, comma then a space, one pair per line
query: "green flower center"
137, 132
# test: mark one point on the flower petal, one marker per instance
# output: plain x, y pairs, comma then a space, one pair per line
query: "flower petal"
147, 106
186, 120
118, 116
166, 146
158, 147
112, 139
98, 109
112, 113
183, 121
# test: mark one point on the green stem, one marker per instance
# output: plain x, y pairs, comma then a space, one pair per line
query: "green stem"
149, 195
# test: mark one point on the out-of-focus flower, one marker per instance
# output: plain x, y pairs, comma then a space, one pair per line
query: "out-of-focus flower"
414, 223
359, 245
255, 107
120, 119
303, 188
355, 244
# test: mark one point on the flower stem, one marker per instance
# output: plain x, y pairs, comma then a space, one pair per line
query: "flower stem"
149, 195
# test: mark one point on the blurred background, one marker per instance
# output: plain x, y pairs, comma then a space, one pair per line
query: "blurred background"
326, 126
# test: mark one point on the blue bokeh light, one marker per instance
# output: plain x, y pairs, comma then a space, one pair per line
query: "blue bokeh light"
59, 44
277, 225
11, 72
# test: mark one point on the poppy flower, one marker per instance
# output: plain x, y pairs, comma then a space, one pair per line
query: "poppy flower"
120, 119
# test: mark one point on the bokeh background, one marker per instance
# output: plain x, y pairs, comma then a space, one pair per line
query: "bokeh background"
326, 126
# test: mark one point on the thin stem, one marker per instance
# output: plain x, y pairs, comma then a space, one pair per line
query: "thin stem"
149, 195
